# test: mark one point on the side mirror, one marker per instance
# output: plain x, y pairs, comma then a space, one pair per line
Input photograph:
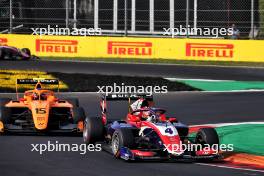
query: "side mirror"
133, 118
173, 119
22, 99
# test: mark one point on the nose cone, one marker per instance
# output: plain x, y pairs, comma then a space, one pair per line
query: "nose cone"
40, 113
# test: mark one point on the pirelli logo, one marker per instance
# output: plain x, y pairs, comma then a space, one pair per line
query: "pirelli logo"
3, 41
130, 48
56, 46
210, 50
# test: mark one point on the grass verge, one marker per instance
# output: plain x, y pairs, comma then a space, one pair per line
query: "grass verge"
8, 80
84, 82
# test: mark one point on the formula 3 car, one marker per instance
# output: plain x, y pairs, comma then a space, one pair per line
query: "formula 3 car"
156, 137
40, 111
13, 53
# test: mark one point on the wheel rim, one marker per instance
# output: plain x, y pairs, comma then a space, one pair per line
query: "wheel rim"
115, 144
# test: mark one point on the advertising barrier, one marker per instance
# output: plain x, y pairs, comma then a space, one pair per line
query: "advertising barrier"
128, 47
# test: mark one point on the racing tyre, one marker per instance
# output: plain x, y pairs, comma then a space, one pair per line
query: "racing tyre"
78, 114
5, 113
73, 101
93, 130
34, 57
207, 136
26, 50
3, 101
1, 54
122, 137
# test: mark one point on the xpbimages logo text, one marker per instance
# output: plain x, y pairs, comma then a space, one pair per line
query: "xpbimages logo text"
58, 31
63, 147
214, 149
189, 31
129, 89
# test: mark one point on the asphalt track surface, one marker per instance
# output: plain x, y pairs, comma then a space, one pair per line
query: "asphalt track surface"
188, 107
175, 71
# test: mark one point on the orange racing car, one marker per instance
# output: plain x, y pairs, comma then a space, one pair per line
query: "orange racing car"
40, 110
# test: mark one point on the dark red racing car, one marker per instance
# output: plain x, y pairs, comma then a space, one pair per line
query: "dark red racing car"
13, 53
146, 133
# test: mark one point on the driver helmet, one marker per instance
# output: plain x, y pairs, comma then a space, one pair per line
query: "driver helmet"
140, 103
35, 96
146, 114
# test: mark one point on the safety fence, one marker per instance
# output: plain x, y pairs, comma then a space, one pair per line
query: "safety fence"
135, 17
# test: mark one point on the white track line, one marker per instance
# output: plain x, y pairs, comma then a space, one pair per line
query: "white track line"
230, 167
169, 64
204, 80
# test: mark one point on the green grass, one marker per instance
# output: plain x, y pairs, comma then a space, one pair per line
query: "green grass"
83, 82
224, 85
159, 61
247, 138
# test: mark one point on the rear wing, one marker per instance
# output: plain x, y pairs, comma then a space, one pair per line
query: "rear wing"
35, 81
38, 80
122, 97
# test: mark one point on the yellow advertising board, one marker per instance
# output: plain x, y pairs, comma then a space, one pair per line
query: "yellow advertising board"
128, 47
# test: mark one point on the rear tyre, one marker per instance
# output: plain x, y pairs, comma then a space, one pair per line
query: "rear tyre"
93, 130
4, 101
1, 54
122, 137
5, 113
78, 114
26, 51
73, 101
207, 136
34, 57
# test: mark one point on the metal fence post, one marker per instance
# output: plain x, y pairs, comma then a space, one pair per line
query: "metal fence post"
115, 17
133, 16
67, 13
172, 19
10, 16
252, 18
195, 14
125, 16
74, 13
96, 6
187, 17
151, 16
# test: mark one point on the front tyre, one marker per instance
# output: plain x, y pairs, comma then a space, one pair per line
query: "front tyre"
1, 54
122, 137
93, 130
73, 101
78, 114
207, 136
5, 113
